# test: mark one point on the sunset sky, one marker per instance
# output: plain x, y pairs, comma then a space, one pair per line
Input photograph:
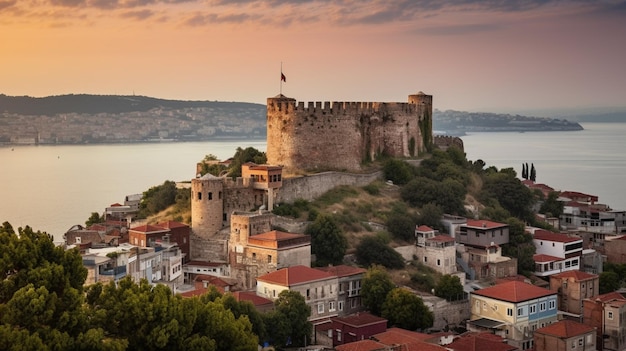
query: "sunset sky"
495, 55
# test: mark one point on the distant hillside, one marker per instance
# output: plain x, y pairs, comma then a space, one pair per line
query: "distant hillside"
460, 122
94, 104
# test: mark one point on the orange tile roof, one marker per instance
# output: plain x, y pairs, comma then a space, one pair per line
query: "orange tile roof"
360, 319
172, 224
565, 329
294, 275
361, 345
577, 275
546, 258
557, 237
342, 270
442, 238
480, 342
484, 224
514, 291
251, 296
424, 228
400, 336
614, 295
196, 292
148, 228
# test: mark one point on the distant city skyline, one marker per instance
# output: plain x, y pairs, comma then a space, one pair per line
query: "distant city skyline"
496, 56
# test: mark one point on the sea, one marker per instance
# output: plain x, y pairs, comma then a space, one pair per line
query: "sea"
52, 188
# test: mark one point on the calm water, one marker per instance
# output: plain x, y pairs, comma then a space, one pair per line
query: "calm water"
52, 188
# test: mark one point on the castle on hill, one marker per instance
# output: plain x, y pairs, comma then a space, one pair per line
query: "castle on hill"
342, 135
231, 219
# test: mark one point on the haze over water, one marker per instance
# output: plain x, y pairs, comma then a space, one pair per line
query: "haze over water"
51, 188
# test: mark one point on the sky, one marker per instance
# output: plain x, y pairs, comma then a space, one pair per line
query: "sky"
490, 56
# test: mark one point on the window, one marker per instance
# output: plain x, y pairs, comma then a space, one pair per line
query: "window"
552, 304
542, 306
331, 306
532, 309
509, 311
580, 342
320, 308
274, 293
210, 195
520, 312
269, 258
340, 305
338, 335
199, 196
308, 294
438, 262
254, 255
609, 315
425, 259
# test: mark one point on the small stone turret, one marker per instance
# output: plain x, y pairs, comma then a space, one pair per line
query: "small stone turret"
207, 205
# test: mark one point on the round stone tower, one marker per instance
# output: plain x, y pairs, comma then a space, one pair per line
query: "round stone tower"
207, 205
280, 131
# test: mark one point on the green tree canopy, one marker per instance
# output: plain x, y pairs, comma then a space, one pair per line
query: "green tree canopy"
398, 171
372, 250
520, 246
242, 156
450, 288
94, 218
376, 285
328, 242
291, 316
509, 192
404, 309
157, 198
609, 282
552, 206
401, 226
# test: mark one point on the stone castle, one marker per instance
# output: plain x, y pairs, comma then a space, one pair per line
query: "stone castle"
334, 138
342, 135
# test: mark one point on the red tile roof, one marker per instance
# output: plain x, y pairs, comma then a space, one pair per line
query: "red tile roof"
480, 342
577, 275
546, 258
550, 236
614, 295
196, 292
342, 270
484, 224
424, 228
294, 276
360, 319
251, 296
148, 228
514, 291
565, 329
442, 238
400, 336
361, 345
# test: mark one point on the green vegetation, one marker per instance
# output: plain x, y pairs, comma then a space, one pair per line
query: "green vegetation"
450, 288
375, 287
94, 219
403, 309
374, 250
328, 243
43, 306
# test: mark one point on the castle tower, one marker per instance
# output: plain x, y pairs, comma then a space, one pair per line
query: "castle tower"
207, 205
343, 135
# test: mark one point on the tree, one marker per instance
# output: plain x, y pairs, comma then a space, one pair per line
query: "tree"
609, 282
450, 288
398, 171
376, 285
157, 198
431, 215
552, 206
404, 309
372, 250
509, 192
242, 156
449, 194
520, 246
94, 218
292, 313
401, 226
533, 173
328, 242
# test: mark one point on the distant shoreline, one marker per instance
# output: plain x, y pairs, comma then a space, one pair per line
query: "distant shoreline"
130, 142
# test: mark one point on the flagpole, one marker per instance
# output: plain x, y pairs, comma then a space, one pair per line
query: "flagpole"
281, 77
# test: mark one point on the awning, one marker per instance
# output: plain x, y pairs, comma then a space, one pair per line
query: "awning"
487, 323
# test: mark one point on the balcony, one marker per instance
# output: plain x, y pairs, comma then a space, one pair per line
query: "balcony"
113, 272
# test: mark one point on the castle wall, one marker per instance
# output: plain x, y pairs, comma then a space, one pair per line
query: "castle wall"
312, 186
342, 135
207, 195
443, 142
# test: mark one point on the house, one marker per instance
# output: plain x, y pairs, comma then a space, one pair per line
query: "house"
607, 314
254, 249
615, 249
349, 292
488, 262
556, 252
320, 289
581, 212
435, 251
565, 335
179, 234
512, 310
397, 339
260, 303
347, 329
193, 268
572, 288
482, 233
479, 342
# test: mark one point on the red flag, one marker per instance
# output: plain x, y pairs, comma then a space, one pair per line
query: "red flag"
282, 77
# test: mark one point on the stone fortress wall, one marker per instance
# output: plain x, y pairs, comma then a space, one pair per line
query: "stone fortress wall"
342, 135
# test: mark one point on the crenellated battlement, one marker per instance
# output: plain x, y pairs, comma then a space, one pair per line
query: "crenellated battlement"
324, 135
